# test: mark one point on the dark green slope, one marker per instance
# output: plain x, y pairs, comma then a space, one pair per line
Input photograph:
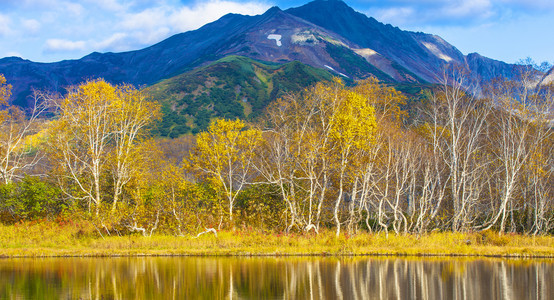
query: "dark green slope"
232, 87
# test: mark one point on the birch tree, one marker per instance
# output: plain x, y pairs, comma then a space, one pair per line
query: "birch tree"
132, 114
98, 127
225, 153
353, 127
458, 120
519, 128
19, 135
292, 158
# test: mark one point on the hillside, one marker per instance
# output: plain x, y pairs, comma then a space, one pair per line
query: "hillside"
232, 87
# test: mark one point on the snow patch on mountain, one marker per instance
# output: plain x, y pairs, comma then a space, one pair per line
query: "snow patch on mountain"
276, 37
435, 50
331, 68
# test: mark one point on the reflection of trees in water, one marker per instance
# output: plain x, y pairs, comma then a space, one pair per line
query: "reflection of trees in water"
272, 278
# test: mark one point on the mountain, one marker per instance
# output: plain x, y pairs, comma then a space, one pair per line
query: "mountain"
422, 54
328, 35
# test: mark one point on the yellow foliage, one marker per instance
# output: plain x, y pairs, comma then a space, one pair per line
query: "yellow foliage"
386, 100
224, 144
5, 91
97, 134
353, 124
225, 155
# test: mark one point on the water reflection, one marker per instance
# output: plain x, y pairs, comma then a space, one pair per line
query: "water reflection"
274, 278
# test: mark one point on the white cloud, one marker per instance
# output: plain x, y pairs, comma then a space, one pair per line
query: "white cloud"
74, 9
115, 42
147, 19
454, 12
60, 45
468, 8
188, 18
5, 25
13, 53
31, 26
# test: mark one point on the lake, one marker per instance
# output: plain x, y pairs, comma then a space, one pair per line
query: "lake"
275, 278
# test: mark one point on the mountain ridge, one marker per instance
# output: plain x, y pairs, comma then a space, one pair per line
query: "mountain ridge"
328, 35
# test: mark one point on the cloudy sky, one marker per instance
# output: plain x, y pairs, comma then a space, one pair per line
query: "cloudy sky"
52, 30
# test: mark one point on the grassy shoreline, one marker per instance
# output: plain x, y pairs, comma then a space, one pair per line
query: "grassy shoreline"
50, 239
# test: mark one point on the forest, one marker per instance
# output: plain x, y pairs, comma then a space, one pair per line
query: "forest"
345, 158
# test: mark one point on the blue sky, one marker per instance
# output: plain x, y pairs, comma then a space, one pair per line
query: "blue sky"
52, 30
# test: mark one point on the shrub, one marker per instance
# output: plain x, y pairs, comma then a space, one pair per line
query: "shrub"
32, 198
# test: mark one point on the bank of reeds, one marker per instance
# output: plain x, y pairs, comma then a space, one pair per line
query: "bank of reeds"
65, 238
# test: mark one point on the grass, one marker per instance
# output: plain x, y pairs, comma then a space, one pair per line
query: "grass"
39, 239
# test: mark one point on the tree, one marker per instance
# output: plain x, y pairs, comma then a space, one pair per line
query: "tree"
95, 136
458, 122
315, 148
132, 115
292, 158
18, 136
373, 187
518, 131
225, 154
353, 127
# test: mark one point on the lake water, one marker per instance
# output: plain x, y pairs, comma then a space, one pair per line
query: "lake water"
275, 278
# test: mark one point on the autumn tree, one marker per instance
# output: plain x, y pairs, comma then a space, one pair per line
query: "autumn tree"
312, 144
353, 127
432, 177
519, 129
458, 121
374, 192
291, 151
94, 138
224, 153
539, 183
18, 135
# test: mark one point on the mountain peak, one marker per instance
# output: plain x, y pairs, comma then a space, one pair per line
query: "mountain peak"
328, 3
12, 59
273, 10
334, 15
271, 13
329, 6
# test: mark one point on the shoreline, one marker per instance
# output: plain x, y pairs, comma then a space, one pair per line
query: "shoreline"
291, 251
48, 239
289, 255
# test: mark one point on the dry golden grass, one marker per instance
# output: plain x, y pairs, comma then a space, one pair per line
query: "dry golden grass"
81, 239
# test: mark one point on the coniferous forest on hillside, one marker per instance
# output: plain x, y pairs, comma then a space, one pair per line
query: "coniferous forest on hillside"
338, 158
